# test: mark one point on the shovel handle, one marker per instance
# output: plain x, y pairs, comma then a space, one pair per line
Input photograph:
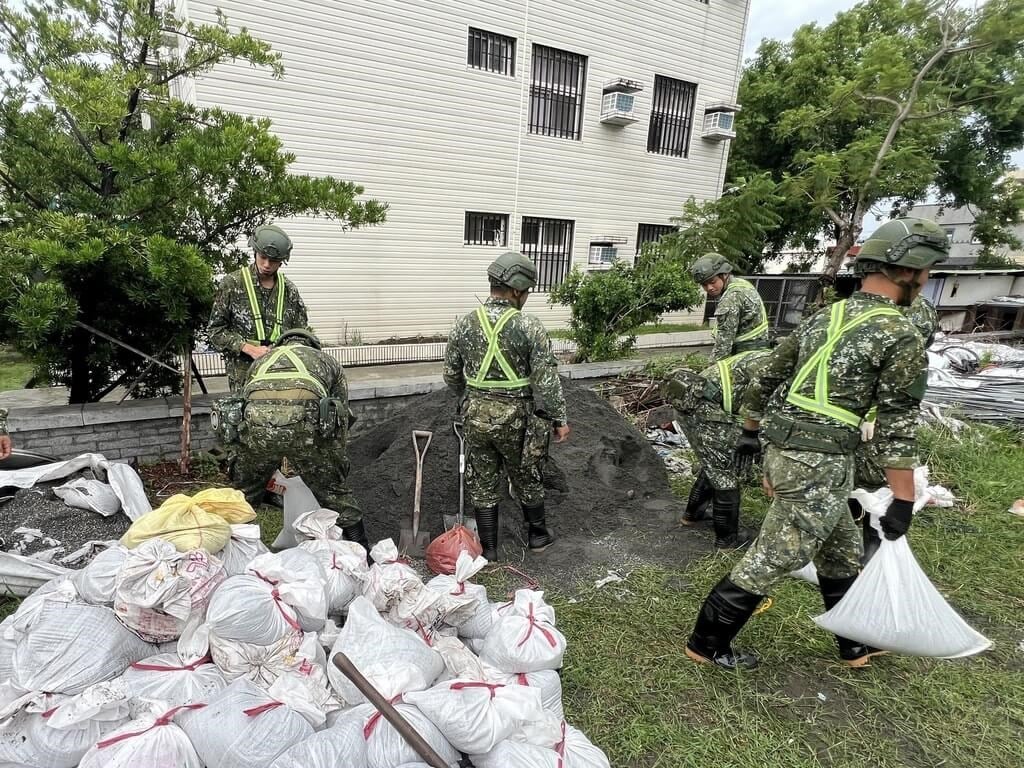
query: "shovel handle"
400, 724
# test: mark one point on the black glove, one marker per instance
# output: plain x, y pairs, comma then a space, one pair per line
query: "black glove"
747, 447
896, 520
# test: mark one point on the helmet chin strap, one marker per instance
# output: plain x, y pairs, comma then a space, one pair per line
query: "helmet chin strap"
907, 287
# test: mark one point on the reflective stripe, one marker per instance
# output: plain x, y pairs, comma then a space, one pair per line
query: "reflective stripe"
301, 373
257, 313
818, 365
725, 374
761, 327
494, 353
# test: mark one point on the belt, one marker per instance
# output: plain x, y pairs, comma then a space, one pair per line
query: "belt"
786, 432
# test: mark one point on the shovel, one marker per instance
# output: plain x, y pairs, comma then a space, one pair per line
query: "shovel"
412, 541
450, 521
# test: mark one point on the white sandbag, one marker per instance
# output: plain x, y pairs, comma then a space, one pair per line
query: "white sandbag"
28, 741
462, 602
526, 602
86, 493
70, 646
459, 661
243, 727
547, 681
158, 589
106, 701
21, 576
248, 609
386, 748
298, 578
343, 562
894, 606
262, 664
475, 716
390, 580
341, 745
574, 751
524, 643
165, 678
97, 581
8, 642
242, 548
393, 659
298, 500
151, 741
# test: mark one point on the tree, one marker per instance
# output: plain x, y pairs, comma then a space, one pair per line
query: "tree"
889, 100
118, 201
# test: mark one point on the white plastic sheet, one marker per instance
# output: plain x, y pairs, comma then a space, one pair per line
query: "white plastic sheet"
298, 500
21, 576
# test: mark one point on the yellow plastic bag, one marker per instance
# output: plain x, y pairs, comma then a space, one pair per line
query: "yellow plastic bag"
226, 502
183, 523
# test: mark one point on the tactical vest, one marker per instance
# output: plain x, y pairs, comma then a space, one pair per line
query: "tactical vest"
761, 327
725, 376
262, 339
494, 354
306, 399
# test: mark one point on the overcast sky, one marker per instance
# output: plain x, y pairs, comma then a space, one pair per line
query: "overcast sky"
770, 18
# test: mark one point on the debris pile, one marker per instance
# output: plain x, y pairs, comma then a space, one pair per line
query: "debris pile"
976, 381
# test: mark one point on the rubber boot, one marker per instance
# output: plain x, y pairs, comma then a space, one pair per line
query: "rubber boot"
722, 616
357, 533
853, 654
487, 530
726, 506
700, 498
538, 536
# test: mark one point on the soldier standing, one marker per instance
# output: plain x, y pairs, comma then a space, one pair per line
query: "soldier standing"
5, 438
296, 408
741, 322
708, 405
502, 359
253, 305
858, 353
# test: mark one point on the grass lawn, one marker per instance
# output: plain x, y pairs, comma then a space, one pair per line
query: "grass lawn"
15, 371
643, 330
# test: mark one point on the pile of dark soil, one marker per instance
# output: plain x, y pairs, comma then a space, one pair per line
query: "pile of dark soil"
608, 497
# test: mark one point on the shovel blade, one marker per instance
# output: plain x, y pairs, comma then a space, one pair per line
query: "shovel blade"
413, 545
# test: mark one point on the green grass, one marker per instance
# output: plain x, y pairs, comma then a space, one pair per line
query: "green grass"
15, 371
669, 328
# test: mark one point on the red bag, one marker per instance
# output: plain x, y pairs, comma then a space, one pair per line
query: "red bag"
443, 551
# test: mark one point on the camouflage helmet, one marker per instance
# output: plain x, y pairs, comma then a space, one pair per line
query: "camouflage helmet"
908, 242
514, 270
298, 334
272, 242
708, 266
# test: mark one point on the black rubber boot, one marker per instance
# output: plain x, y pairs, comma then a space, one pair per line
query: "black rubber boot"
357, 533
722, 616
726, 506
538, 536
487, 530
699, 500
852, 653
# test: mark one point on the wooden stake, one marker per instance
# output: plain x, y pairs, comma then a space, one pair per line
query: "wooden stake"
186, 410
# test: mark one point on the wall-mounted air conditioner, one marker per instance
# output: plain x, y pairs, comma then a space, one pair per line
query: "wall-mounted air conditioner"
602, 255
720, 121
618, 101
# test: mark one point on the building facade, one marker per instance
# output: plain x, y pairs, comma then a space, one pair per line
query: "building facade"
569, 129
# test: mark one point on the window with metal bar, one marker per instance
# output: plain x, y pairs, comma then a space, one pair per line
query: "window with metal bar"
486, 228
556, 92
651, 233
671, 116
491, 52
548, 243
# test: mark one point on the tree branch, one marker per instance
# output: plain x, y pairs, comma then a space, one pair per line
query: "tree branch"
884, 99
6, 179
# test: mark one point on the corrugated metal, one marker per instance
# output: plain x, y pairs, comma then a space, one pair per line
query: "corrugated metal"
379, 92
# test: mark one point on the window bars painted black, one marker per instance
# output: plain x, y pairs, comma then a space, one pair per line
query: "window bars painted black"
556, 92
491, 52
671, 117
486, 228
548, 243
651, 233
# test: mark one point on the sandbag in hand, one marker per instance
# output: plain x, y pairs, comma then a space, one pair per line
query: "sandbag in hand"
748, 447
896, 520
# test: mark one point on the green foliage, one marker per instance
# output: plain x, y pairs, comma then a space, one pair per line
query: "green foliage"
660, 367
994, 226
121, 201
889, 100
608, 306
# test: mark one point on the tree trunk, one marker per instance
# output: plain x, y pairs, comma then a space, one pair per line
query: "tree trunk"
186, 410
81, 392
837, 255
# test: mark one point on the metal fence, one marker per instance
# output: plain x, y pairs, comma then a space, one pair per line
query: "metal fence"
785, 298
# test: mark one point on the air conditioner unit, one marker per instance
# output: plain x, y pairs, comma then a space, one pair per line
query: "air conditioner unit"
602, 254
720, 121
617, 108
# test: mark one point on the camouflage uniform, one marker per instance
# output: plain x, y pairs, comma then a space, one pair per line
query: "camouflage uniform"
740, 311
3, 421
284, 421
809, 461
501, 426
232, 324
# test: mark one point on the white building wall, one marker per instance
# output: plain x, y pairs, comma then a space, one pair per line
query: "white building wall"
379, 92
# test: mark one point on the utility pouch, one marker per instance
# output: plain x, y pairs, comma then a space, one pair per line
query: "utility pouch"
226, 416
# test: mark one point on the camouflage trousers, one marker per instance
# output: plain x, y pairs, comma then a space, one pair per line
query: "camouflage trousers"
503, 434
808, 520
869, 473
713, 441
322, 463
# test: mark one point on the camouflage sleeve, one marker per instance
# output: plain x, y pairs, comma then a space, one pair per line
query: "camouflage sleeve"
727, 323
544, 370
778, 369
3, 421
899, 403
454, 365
301, 314
224, 336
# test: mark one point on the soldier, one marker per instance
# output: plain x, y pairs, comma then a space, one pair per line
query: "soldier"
501, 359
5, 438
741, 322
869, 473
253, 304
708, 404
295, 407
858, 353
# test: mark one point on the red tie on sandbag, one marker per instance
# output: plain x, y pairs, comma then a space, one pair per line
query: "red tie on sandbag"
256, 711
560, 748
207, 659
164, 719
536, 624
375, 718
491, 687
280, 603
